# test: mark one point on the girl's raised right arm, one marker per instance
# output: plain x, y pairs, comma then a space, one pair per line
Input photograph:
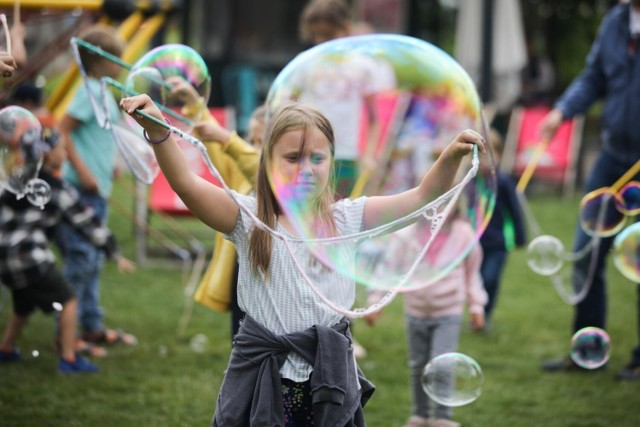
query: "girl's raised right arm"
210, 203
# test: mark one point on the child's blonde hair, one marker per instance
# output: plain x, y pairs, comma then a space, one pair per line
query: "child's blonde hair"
334, 12
104, 37
289, 117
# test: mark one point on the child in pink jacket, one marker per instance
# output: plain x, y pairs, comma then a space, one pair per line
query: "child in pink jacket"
434, 313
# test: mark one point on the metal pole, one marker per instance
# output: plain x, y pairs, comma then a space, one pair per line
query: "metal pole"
486, 82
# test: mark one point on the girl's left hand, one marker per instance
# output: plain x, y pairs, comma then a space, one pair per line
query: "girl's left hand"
463, 144
144, 104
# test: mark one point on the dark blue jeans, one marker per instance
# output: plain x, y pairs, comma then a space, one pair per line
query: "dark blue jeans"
635, 354
592, 310
83, 264
491, 271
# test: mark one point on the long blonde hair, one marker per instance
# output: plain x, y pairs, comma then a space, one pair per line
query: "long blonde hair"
289, 117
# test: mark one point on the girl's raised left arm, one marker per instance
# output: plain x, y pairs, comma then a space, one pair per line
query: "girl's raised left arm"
211, 204
438, 179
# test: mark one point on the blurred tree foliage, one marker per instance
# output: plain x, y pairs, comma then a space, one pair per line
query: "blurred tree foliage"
563, 30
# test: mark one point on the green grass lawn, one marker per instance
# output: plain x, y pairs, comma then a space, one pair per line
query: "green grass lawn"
165, 381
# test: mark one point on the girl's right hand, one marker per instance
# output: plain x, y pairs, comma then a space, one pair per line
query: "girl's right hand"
144, 104
463, 144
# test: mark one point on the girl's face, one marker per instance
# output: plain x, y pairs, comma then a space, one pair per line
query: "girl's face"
300, 170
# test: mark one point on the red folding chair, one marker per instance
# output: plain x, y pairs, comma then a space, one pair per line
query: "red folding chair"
558, 163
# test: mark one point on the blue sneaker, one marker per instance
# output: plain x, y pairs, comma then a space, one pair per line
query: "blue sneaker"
80, 366
12, 356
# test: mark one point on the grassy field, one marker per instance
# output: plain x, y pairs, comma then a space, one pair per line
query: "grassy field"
167, 381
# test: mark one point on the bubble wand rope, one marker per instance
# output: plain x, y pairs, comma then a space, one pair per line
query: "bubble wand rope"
537, 231
593, 244
613, 189
452, 194
595, 241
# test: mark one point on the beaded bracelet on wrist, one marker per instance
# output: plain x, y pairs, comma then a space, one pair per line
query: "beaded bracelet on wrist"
159, 141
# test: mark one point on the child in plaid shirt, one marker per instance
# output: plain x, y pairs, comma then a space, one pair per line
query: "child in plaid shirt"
27, 264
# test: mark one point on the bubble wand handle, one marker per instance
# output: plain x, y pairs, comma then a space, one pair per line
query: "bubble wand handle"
116, 60
358, 187
99, 51
531, 166
628, 175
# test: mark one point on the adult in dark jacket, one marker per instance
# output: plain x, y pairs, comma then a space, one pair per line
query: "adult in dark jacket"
611, 74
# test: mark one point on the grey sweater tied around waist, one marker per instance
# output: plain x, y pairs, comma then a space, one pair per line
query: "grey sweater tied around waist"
251, 392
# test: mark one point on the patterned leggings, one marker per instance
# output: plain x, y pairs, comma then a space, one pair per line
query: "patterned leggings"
296, 398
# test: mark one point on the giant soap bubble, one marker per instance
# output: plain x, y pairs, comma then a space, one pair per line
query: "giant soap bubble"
630, 195
153, 72
21, 151
600, 213
626, 252
421, 99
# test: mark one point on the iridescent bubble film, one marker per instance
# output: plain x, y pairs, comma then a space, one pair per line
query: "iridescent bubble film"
599, 213
394, 102
147, 80
626, 252
177, 60
21, 148
545, 255
452, 379
630, 195
590, 347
